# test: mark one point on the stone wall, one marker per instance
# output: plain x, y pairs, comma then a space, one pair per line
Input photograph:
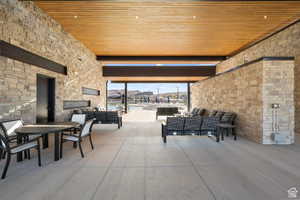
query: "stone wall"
250, 92
278, 87
25, 25
239, 91
284, 43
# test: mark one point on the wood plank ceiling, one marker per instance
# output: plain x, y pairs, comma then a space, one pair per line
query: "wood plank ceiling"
170, 28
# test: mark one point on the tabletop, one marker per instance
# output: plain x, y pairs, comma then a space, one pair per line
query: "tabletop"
53, 127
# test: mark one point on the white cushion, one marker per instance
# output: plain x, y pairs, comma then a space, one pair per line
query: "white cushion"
24, 147
11, 126
71, 138
78, 118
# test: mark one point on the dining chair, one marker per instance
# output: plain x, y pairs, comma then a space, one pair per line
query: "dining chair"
85, 131
78, 118
6, 146
9, 128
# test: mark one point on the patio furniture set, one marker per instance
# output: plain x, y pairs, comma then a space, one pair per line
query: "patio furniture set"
16, 138
216, 123
103, 117
166, 111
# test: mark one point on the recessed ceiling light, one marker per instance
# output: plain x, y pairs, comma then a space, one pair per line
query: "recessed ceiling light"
194, 17
136, 17
265, 17
75, 16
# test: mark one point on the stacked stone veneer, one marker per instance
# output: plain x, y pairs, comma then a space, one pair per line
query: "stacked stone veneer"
25, 25
278, 87
284, 43
250, 91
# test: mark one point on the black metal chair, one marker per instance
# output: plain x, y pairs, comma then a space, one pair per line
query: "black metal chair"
5, 146
85, 131
219, 114
174, 126
212, 113
226, 124
78, 118
209, 124
8, 127
192, 125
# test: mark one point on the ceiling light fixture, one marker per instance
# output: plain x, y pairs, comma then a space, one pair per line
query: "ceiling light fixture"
265, 17
194, 17
136, 17
75, 16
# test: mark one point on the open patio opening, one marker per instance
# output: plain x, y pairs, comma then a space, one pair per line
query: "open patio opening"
236, 138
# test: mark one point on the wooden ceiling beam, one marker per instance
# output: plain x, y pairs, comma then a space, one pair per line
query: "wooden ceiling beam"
160, 58
159, 71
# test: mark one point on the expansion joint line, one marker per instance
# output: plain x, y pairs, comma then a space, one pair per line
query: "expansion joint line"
198, 173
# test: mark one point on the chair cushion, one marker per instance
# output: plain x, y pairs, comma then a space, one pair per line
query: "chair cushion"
192, 123
209, 123
228, 117
24, 147
175, 123
71, 138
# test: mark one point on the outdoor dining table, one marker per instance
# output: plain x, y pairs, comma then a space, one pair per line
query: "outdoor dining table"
55, 128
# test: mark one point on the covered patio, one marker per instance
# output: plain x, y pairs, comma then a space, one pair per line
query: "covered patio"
239, 61
132, 163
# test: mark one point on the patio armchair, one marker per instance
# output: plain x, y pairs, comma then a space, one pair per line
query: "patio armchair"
6, 146
227, 124
85, 132
8, 127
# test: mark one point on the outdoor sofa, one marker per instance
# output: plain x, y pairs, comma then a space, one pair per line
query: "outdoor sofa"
104, 117
166, 111
198, 125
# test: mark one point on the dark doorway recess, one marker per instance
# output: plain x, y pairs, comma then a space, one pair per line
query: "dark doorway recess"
45, 102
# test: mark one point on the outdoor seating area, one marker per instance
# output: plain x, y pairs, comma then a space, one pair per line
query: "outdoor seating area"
149, 100
131, 163
166, 111
105, 117
17, 138
216, 123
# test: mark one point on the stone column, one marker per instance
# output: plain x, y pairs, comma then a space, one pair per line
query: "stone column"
278, 88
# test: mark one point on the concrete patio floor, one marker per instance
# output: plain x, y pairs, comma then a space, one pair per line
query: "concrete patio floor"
133, 164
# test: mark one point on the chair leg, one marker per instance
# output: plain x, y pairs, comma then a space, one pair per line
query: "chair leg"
222, 130
1, 152
75, 145
61, 145
80, 147
6, 166
218, 135
39, 153
90, 136
3, 155
28, 154
234, 133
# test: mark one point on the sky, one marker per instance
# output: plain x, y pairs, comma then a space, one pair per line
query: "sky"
163, 87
